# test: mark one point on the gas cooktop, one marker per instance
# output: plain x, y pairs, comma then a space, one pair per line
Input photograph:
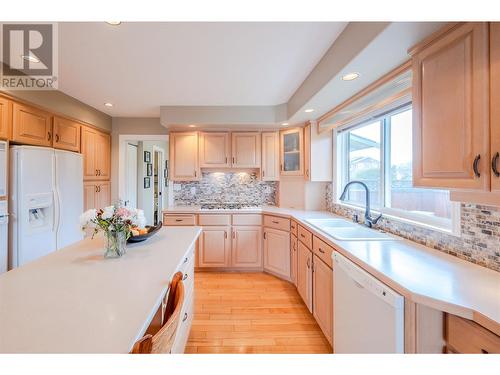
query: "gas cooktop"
226, 206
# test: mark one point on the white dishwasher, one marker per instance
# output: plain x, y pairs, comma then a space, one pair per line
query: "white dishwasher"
368, 316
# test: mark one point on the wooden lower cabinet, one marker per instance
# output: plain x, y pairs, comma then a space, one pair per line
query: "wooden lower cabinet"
293, 258
96, 194
323, 296
467, 337
304, 274
277, 252
215, 247
246, 249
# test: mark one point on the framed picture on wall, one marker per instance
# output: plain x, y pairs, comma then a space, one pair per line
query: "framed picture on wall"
147, 157
147, 183
149, 170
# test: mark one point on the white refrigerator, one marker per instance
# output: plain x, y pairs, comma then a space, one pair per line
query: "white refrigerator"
46, 201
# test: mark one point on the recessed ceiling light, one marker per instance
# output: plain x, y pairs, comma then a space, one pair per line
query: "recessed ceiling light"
192, 126
309, 110
350, 76
108, 104
284, 124
30, 58
113, 23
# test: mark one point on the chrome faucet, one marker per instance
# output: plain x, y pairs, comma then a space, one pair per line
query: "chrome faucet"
369, 221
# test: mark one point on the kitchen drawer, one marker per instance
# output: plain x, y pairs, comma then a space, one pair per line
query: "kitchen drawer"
247, 219
323, 251
277, 222
293, 227
172, 220
468, 337
305, 237
214, 219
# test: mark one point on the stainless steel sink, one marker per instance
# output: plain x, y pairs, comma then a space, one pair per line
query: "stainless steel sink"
344, 230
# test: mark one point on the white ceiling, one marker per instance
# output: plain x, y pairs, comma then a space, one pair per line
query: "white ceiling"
141, 66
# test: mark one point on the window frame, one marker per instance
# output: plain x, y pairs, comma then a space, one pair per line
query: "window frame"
341, 144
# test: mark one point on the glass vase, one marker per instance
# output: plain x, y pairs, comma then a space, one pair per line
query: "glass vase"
115, 244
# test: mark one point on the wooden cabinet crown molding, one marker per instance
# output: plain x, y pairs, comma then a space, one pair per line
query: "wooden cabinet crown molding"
15, 99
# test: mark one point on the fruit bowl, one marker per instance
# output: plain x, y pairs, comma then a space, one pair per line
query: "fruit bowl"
143, 237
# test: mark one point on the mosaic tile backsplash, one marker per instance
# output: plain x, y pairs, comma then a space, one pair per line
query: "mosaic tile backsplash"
479, 242
222, 187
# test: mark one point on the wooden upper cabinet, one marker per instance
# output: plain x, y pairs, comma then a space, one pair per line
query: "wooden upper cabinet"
96, 150
245, 150
184, 162
292, 152
318, 153
103, 155
215, 150
66, 134
5, 118
31, 125
270, 156
450, 109
495, 107
323, 296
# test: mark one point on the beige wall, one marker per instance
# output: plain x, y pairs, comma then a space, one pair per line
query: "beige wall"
57, 101
132, 126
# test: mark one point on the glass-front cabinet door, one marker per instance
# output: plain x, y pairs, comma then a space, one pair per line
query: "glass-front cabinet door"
292, 152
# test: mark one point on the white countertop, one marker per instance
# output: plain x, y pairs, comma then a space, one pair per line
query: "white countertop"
75, 301
421, 274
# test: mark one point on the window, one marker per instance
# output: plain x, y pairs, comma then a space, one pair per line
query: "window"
378, 152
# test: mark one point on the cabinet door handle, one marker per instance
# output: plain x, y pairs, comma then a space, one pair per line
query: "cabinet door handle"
226, 159
185, 317
234, 234
308, 263
321, 250
225, 234
96, 173
307, 173
281, 167
263, 173
195, 173
275, 222
264, 235
302, 235
178, 220
185, 276
49, 136
57, 138
475, 165
97, 191
494, 163
186, 260
233, 159
99, 188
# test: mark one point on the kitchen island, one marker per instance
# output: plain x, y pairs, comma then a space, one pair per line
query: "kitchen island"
75, 301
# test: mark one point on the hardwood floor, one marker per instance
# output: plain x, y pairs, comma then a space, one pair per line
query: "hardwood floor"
251, 313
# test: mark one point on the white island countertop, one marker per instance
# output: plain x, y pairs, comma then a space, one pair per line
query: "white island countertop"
75, 301
421, 274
